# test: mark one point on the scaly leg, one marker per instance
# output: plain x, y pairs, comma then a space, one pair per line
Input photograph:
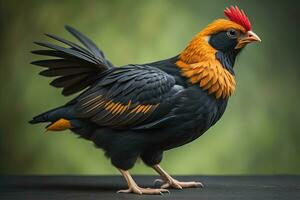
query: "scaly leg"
134, 188
170, 182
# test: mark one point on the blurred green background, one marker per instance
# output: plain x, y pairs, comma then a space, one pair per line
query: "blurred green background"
259, 133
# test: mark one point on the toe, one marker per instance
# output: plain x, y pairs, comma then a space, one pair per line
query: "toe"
190, 184
124, 191
171, 185
154, 191
131, 190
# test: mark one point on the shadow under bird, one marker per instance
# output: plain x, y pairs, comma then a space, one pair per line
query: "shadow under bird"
141, 110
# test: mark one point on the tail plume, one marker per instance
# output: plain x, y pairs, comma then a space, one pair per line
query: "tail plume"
50, 116
74, 66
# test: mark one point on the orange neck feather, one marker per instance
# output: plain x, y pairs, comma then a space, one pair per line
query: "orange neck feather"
198, 62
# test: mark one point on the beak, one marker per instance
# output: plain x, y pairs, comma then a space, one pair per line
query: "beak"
247, 38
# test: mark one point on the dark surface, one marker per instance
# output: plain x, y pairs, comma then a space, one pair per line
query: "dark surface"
105, 187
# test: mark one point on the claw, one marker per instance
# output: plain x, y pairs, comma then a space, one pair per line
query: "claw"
199, 184
158, 181
166, 191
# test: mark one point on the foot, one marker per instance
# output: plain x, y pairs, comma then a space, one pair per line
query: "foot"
168, 182
173, 183
139, 190
134, 188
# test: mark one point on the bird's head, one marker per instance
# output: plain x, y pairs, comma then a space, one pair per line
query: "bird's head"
217, 46
223, 35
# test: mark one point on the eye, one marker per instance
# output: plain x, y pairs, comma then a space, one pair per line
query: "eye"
231, 33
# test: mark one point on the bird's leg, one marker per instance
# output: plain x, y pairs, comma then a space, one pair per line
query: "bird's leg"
169, 182
134, 188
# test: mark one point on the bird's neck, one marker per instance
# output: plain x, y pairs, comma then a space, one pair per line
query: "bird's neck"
227, 59
211, 69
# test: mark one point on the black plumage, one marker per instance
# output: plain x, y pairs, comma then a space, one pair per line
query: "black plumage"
132, 111
174, 111
76, 67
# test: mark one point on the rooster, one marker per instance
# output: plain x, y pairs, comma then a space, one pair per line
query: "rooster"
141, 110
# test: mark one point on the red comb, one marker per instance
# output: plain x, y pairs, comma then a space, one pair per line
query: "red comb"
238, 16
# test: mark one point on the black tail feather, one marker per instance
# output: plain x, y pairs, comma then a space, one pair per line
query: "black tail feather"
40, 118
51, 115
75, 67
87, 43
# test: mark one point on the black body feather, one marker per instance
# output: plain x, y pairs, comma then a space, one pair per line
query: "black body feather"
132, 111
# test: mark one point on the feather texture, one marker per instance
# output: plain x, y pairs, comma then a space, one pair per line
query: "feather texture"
74, 66
126, 96
211, 76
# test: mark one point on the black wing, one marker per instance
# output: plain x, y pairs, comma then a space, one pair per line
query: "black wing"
128, 97
75, 66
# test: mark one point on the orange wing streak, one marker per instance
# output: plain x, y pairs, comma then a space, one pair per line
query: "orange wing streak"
116, 108
123, 109
108, 105
119, 109
145, 108
112, 109
135, 109
140, 109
